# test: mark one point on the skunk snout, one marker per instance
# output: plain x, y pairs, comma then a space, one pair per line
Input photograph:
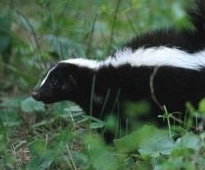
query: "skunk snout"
36, 95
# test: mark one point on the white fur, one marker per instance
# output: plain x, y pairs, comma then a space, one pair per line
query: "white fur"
158, 56
155, 56
82, 62
44, 80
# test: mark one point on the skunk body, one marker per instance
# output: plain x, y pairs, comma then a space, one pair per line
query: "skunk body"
164, 67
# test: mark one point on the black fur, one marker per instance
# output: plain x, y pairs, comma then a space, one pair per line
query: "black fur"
173, 86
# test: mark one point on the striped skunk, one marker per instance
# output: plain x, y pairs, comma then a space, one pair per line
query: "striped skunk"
163, 67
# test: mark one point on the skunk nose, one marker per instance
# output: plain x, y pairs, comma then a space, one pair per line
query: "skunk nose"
36, 95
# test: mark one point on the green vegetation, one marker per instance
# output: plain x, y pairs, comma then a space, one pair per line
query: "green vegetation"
35, 34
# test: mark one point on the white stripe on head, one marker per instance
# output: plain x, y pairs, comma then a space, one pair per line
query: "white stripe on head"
81, 62
158, 56
44, 80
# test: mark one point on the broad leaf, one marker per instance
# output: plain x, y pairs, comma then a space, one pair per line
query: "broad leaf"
30, 105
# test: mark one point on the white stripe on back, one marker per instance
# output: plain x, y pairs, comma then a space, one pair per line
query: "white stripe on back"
82, 62
160, 56
155, 56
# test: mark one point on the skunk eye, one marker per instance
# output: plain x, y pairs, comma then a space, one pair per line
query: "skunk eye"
55, 83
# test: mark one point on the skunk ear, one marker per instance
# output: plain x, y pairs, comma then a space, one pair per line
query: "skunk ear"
70, 83
72, 79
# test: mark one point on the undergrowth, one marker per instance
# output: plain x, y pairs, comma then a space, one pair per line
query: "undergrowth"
62, 137
35, 34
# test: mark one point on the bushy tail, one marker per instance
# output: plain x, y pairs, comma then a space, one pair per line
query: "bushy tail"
197, 15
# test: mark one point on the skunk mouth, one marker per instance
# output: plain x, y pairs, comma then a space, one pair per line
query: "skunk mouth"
38, 97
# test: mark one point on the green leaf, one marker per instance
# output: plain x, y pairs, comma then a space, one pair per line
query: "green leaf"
148, 140
101, 158
74, 108
105, 157
97, 125
189, 141
158, 143
30, 105
42, 161
38, 146
137, 108
202, 106
9, 117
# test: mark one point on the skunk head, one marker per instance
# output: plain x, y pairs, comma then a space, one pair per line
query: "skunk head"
68, 80
59, 84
